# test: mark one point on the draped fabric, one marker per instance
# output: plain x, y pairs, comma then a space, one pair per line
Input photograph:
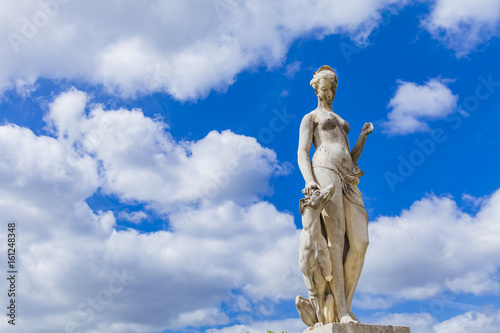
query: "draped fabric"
350, 189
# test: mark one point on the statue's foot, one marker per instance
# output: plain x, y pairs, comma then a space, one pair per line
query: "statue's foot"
347, 319
353, 316
313, 327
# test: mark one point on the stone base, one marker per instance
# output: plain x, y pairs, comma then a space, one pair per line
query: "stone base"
358, 328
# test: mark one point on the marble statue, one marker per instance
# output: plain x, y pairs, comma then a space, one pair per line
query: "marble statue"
334, 239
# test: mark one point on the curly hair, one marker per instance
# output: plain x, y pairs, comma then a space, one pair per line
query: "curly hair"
324, 72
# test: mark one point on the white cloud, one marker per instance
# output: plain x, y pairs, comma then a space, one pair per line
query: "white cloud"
185, 48
463, 25
470, 322
189, 48
417, 322
45, 165
413, 105
367, 301
285, 325
292, 69
202, 317
141, 161
134, 217
432, 247
66, 113
99, 279
473, 201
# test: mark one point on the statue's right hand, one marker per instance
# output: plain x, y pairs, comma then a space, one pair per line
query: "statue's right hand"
367, 128
310, 186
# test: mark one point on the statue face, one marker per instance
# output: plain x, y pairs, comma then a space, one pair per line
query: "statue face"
326, 91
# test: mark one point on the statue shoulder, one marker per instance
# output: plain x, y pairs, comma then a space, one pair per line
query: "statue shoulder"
310, 117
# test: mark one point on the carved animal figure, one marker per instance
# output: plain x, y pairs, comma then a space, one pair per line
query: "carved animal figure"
314, 258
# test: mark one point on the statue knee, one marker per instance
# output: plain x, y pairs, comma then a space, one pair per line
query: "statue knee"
360, 245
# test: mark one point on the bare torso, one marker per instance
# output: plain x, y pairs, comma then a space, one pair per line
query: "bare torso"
331, 142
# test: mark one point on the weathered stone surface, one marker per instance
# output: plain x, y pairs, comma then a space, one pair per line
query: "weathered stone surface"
359, 328
331, 272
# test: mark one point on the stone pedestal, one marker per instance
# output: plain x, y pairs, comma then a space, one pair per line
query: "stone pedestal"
359, 328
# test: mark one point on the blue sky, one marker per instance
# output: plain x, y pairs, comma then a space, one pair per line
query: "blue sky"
149, 160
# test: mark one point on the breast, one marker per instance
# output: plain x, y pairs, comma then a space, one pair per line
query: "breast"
326, 124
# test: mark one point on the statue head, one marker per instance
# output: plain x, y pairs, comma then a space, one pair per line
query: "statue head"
324, 75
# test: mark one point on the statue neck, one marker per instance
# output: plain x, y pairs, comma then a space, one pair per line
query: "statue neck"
322, 105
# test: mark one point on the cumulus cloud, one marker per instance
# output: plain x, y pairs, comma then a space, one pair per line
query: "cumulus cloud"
473, 321
470, 322
286, 325
134, 217
417, 322
463, 25
413, 105
141, 161
432, 247
97, 278
292, 69
134, 48
184, 48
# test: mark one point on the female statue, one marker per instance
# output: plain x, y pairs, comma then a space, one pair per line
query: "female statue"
344, 218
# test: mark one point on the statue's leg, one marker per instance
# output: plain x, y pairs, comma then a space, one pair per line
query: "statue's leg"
357, 233
334, 223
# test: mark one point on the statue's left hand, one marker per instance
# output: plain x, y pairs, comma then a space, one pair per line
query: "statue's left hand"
367, 128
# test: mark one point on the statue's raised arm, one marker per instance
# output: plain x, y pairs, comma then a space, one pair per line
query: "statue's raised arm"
358, 147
